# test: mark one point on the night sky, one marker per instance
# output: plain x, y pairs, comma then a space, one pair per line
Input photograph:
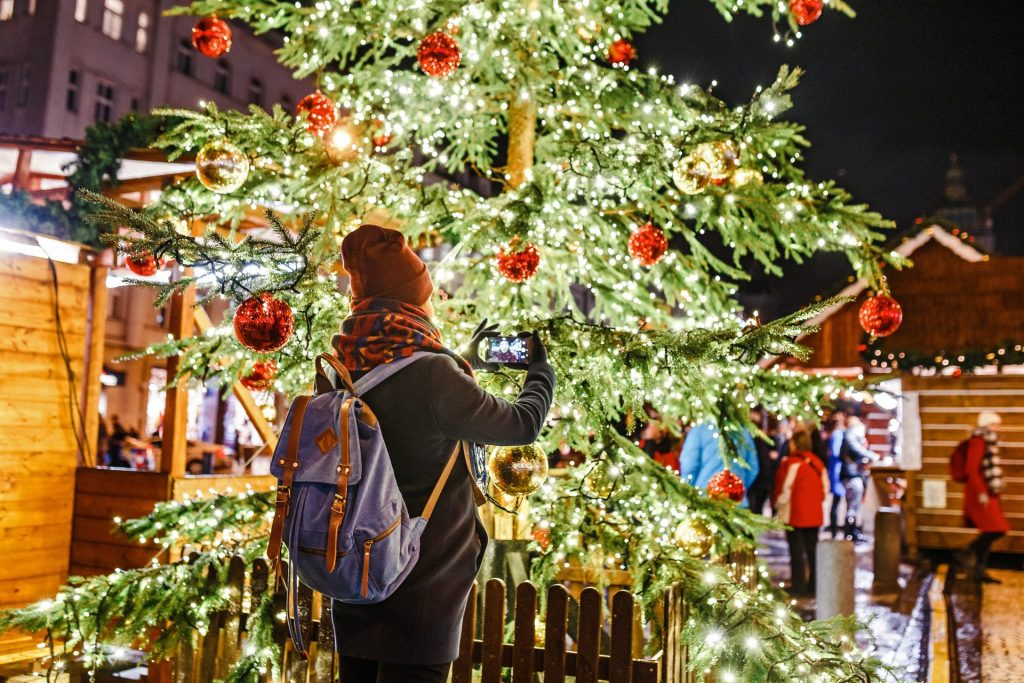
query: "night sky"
886, 98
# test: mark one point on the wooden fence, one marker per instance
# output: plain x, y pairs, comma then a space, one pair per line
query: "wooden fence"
574, 638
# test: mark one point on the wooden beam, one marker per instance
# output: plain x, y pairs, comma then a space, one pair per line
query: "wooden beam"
94, 362
173, 448
242, 393
23, 170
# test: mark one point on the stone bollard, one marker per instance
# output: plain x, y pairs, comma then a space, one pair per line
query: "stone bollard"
887, 551
836, 562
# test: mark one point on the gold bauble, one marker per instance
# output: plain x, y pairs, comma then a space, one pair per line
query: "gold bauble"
518, 470
721, 157
599, 482
691, 175
221, 166
692, 537
345, 142
747, 176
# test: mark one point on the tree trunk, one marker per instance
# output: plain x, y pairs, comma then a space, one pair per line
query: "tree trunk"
522, 125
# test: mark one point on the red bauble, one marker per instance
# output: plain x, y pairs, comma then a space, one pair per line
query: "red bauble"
321, 114
519, 266
144, 264
542, 537
648, 244
621, 52
439, 55
725, 484
264, 323
880, 315
381, 133
212, 37
805, 11
262, 376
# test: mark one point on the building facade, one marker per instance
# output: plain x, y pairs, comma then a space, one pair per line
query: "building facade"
65, 64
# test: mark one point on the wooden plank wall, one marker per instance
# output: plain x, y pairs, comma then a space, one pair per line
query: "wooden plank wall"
38, 449
949, 408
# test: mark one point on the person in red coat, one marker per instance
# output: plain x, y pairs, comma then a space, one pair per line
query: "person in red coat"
982, 509
800, 487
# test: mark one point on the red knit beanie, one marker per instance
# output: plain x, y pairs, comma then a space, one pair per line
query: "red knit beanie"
381, 264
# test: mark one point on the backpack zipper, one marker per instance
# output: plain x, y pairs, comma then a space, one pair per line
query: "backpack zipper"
367, 546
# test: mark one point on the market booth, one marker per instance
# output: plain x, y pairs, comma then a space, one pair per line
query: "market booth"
957, 353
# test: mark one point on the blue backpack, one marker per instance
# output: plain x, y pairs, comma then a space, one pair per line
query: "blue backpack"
339, 511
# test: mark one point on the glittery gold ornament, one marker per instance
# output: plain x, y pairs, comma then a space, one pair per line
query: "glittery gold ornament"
747, 176
691, 175
600, 481
221, 166
693, 537
518, 470
721, 157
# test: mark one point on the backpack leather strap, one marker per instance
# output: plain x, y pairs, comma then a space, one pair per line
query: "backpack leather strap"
290, 463
478, 496
428, 509
341, 370
341, 490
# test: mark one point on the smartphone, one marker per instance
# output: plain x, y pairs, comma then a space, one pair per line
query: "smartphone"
511, 351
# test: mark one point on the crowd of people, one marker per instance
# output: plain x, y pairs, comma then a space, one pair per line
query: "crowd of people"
791, 475
801, 470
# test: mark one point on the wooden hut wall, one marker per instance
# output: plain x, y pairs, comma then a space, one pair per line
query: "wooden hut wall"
948, 409
38, 448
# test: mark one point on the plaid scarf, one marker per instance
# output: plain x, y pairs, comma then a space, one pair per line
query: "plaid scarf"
380, 330
991, 466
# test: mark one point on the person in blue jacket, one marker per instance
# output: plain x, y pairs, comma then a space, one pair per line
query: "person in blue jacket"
701, 458
835, 468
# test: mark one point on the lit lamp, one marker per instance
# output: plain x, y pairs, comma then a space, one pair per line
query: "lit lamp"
345, 141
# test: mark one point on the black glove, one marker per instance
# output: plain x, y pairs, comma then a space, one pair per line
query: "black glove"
472, 355
538, 354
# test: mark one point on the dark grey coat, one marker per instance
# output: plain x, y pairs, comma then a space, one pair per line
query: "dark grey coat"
423, 411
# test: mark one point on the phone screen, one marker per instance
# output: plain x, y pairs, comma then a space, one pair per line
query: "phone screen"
514, 351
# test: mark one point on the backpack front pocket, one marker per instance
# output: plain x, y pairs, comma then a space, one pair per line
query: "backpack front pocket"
383, 551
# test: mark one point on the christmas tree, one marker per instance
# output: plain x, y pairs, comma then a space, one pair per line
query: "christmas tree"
610, 207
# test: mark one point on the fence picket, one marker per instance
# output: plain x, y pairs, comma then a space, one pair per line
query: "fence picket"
524, 636
588, 639
620, 664
322, 664
230, 632
494, 631
556, 616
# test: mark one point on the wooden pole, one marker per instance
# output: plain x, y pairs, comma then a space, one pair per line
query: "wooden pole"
173, 451
96, 345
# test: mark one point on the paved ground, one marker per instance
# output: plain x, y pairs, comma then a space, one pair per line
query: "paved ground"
1002, 628
897, 624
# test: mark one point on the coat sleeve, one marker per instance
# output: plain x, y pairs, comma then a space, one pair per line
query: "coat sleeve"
463, 411
975, 456
689, 458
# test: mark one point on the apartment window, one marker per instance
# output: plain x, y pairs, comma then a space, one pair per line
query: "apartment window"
183, 61
23, 86
71, 99
286, 102
104, 101
142, 33
113, 18
6, 9
135, 104
256, 92
4, 76
81, 10
222, 79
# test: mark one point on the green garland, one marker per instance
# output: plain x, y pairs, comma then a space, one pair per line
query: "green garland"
95, 167
878, 354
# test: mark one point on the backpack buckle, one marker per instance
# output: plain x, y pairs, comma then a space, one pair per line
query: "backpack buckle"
283, 494
338, 507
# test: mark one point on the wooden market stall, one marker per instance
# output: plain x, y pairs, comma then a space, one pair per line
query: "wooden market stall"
956, 300
51, 317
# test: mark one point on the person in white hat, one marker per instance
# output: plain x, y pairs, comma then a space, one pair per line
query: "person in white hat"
982, 509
